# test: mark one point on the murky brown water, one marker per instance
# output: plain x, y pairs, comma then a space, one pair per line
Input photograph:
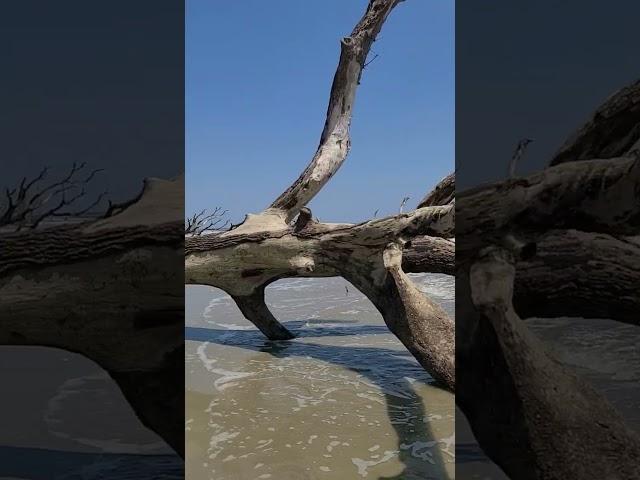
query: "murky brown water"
343, 401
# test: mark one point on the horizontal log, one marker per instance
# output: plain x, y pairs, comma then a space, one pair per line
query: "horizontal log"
111, 290
592, 196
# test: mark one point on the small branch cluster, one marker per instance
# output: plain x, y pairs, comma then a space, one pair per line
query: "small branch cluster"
203, 222
31, 202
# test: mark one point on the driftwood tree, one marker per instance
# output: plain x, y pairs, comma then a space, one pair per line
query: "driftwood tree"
110, 289
561, 242
285, 241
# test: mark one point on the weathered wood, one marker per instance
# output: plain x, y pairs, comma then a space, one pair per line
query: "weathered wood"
425, 254
442, 194
335, 141
577, 225
112, 291
580, 274
236, 261
612, 131
369, 255
254, 306
563, 427
576, 195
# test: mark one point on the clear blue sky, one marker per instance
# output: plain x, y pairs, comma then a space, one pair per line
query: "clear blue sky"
258, 76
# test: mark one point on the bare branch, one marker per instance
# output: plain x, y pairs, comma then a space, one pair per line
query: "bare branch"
203, 222
518, 153
403, 203
335, 140
27, 207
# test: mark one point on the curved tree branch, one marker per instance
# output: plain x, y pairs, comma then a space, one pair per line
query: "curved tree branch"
335, 141
612, 131
443, 193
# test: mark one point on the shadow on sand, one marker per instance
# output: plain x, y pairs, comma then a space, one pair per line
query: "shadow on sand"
392, 371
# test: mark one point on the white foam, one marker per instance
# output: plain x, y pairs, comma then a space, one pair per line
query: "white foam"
364, 465
228, 378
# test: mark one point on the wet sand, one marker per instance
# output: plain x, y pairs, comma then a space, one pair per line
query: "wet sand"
344, 400
63, 417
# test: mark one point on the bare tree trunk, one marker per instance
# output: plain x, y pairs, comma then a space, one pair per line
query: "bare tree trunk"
108, 290
335, 140
266, 246
369, 255
568, 430
559, 242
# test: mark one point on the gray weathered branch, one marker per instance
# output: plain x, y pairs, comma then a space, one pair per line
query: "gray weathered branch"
335, 140
562, 427
369, 255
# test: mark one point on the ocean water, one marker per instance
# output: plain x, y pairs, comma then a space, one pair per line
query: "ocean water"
344, 400
63, 418
46, 464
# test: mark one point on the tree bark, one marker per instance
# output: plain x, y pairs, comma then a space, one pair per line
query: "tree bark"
335, 141
429, 255
559, 242
580, 274
443, 193
556, 411
109, 290
266, 247
612, 131
575, 196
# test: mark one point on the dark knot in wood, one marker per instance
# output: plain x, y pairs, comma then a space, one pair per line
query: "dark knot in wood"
304, 217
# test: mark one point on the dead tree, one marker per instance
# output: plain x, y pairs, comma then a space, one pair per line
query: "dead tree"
109, 289
206, 222
284, 240
561, 242
31, 202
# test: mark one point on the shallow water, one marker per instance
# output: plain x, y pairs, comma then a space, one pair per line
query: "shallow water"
62, 417
344, 400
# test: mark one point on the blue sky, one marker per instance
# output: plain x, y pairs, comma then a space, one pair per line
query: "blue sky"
258, 76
